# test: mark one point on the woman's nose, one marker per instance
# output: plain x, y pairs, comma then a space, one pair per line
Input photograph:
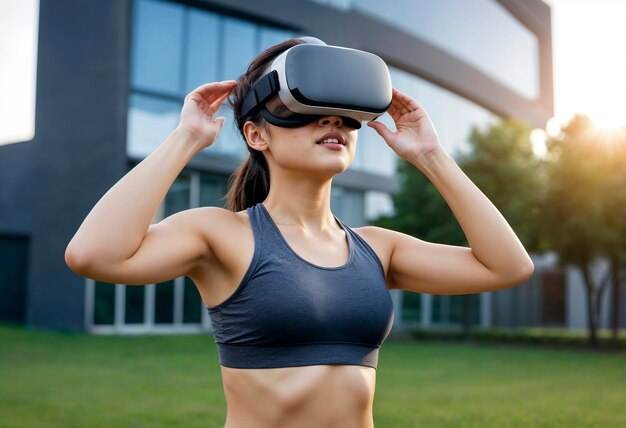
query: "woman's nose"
330, 120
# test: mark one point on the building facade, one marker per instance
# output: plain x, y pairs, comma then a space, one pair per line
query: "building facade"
112, 76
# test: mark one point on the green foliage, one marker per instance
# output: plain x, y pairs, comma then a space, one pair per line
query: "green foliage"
572, 214
421, 211
503, 166
585, 207
501, 163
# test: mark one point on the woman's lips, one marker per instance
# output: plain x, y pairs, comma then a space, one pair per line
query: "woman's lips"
333, 146
332, 140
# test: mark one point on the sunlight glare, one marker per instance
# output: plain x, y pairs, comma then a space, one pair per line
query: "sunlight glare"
538, 141
590, 65
553, 127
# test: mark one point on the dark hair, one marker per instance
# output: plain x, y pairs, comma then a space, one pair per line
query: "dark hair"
250, 183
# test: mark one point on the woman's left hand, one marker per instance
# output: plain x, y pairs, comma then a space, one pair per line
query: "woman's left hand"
415, 139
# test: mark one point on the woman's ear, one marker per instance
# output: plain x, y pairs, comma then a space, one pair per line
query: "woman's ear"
256, 136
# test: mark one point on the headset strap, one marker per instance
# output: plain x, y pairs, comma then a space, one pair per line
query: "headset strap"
260, 93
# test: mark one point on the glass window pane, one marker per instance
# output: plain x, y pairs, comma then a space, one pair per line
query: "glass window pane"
213, 188
229, 142
455, 309
480, 32
157, 46
452, 115
411, 306
375, 155
178, 196
202, 46
447, 308
164, 303
239, 47
150, 121
378, 204
104, 303
134, 304
192, 303
272, 36
348, 206
439, 313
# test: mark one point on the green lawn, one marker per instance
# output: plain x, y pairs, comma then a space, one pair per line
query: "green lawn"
77, 380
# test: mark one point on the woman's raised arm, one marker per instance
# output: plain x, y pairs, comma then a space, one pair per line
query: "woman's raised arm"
496, 260
118, 227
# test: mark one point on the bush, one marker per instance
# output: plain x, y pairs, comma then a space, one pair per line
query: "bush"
530, 336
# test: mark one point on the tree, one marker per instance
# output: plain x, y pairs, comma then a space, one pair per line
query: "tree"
612, 158
585, 208
503, 166
501, 163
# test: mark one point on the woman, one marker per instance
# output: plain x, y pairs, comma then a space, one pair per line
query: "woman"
277, 271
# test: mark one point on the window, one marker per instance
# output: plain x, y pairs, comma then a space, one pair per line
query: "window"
480, 32
448, 309
150, 121
177, 48
157, 46
170, 306
348, 205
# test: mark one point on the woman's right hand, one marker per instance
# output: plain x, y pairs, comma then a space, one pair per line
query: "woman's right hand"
196, 116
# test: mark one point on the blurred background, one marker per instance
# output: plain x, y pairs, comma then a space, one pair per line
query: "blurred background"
528, 96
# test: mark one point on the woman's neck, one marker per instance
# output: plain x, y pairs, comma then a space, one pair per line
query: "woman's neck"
300, 201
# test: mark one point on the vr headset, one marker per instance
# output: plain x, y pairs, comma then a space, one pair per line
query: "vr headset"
312, 80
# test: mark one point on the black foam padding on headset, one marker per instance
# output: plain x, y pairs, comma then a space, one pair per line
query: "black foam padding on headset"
260, 93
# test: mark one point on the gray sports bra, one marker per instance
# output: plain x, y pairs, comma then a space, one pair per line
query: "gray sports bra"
289, 312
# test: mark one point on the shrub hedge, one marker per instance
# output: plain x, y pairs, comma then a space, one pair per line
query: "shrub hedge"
530, 336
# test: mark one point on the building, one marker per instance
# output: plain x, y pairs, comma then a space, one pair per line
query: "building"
112, 76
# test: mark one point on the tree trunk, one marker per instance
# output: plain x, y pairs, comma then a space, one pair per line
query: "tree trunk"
592, 321
615, 299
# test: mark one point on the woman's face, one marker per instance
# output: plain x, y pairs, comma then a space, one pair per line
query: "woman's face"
325, 147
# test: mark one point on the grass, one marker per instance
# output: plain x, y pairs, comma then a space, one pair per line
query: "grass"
76, 380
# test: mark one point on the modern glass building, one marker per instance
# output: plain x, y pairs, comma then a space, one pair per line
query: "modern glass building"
112, 76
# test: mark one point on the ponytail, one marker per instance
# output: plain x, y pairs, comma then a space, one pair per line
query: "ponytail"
249, 184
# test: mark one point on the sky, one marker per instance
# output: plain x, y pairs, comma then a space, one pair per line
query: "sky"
589, 64
589, 60
18, 47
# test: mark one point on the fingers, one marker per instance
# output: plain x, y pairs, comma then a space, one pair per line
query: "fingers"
393, 111
209, 92
215, 105
404, 103
212, 86
383, 131
210, 96
220, 121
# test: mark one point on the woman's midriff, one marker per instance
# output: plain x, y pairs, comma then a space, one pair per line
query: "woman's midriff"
309, 396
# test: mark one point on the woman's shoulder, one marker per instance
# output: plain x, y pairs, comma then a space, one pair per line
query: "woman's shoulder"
217, 214
381, 241
220, 224
374, 233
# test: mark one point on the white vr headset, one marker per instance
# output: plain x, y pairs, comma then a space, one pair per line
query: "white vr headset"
312, 80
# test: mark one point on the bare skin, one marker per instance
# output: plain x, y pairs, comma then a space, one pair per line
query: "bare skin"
118, 243
315, 396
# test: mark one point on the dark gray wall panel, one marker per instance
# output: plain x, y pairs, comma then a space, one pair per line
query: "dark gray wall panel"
79, 149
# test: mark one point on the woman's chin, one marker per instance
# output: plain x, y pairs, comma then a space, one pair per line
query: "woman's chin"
336, 169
